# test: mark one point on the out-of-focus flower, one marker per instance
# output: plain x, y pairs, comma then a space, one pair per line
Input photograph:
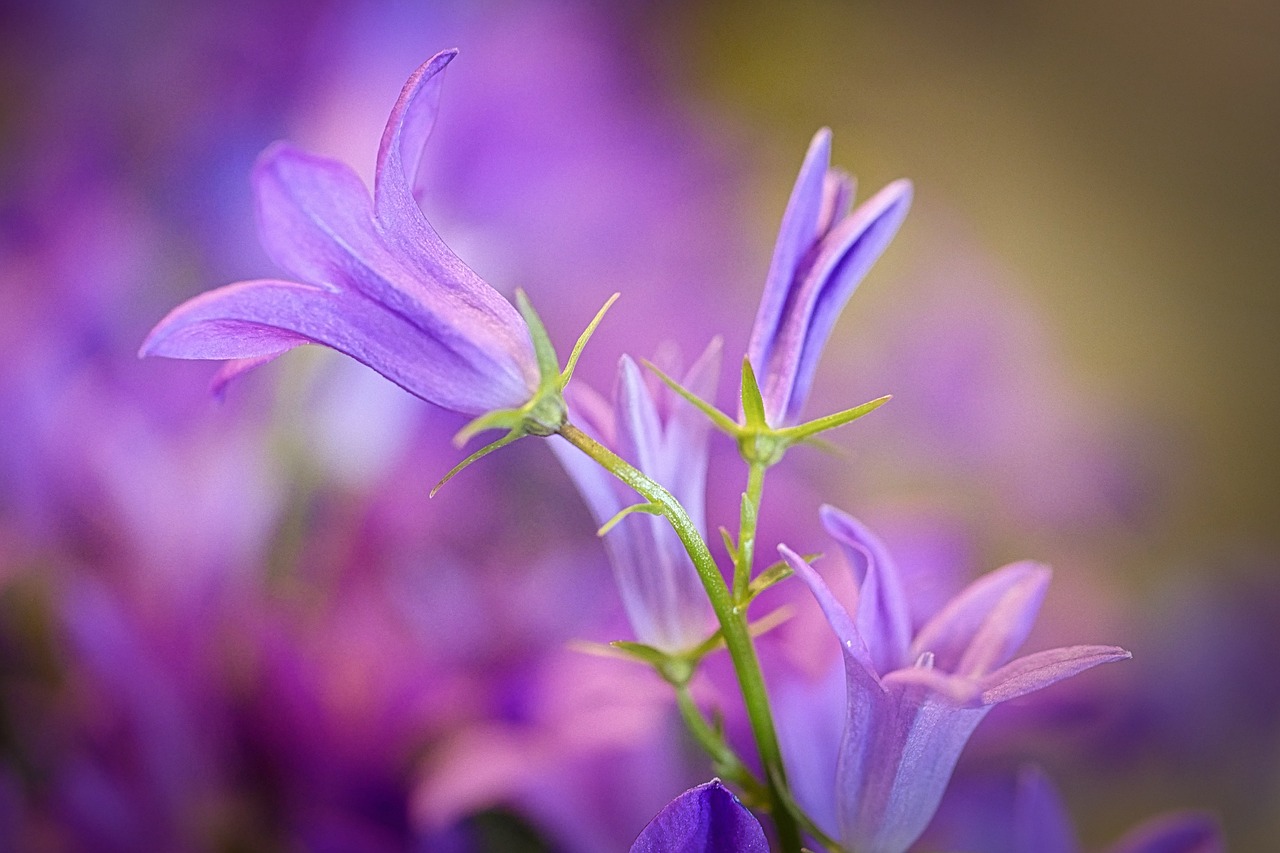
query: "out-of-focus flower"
705, 819
666, 437
822, 254
380, 284
912, 702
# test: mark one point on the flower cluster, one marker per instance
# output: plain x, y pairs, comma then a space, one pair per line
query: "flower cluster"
376, 282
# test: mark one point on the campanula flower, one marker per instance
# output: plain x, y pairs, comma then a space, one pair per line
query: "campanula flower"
822, 254
375, 281
705, 819
914, 697
667, 438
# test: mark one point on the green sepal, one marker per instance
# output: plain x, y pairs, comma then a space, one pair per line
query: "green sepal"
776, 573
567, 373
752, 400
717, 417
543, 349
648, 507
801, 432
729, 544
474, 457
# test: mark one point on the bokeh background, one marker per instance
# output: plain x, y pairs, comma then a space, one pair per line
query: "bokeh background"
241, 625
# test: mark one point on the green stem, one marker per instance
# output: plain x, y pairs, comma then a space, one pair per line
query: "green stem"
746, 550
712, 741
732, 619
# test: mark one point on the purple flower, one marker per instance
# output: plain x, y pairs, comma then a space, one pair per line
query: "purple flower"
823, 252
666, 437
913, 701
375, 280
705, 819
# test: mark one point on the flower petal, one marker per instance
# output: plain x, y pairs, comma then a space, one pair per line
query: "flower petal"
843, 260
796, 236
705, 819
884, 618
1035, 671
261, 318
403, 140
983, 626
846, 630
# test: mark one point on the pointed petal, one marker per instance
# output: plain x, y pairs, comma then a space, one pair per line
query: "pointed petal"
811, 721
1184, 832
237, 367
984, 625
1035, 671
688, 434
260, 318
846, 630
405, 136
705, 819
884, 619
796, 237
845, 256
1040, 821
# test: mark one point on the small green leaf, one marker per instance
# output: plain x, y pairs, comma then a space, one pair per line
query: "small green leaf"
590, 330
642, 652
776, 573
803, 431
752, 401
719, 418
474, 457
729, 544
648, 507
508, 419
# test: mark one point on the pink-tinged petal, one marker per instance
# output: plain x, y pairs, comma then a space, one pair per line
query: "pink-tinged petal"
838, 188
851, 641
705, 819
796, 236
959, 691
984, 625
688, 431
1040, 821
237, 367
884, 618
844, 257
1184, 832
1035, 671
260, 318
405, 136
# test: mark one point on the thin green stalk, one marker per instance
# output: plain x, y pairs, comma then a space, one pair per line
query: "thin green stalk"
732, 619
745, 553
712, 741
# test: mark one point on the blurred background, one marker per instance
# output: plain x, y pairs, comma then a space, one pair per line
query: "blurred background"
240, 625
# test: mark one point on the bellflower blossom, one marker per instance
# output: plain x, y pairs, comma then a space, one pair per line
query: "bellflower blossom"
913, 701
375, 280
666, 438
705, 819
822, 254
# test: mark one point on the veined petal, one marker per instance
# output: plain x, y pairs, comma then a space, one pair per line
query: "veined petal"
1035, 671
843, 260
899, 750
884, 619
405, 136
260, 318
705, 819
796, 236
983, 626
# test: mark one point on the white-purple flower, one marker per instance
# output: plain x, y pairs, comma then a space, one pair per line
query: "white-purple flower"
666, 438
705, 819
912, 698
823, 252
375, 281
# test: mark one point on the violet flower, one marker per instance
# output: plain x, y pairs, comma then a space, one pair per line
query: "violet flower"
665, 437
375, 280
705, 819
913, 701
822, 254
